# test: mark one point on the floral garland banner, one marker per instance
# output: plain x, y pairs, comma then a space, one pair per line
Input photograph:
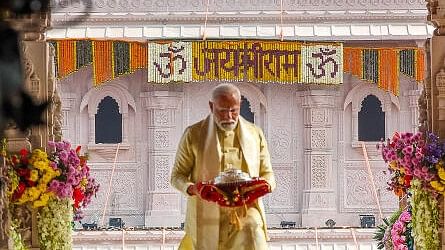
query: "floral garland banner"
322, 64
121, 58
66, 57
388, 71
169, 62
382, 66
84, 53
138, 56
255, 61
103, 62
267, 61
72, 55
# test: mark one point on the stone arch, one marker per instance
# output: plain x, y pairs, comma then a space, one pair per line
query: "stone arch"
356, 96
359, 92
115, 90
254, 95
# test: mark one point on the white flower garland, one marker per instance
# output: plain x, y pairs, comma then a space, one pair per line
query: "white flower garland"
425, 218
177, 65
322, 66
54, 225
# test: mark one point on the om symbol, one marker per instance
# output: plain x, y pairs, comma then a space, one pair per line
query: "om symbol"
172, 55
325, 57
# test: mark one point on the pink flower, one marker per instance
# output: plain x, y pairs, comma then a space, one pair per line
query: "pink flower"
405, 217
408, 150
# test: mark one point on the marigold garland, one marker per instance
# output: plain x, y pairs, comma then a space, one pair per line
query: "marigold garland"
420, 65
138, 56
102, 61
66, 51
388, 74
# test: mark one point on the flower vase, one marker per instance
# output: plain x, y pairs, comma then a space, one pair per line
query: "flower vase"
54, 224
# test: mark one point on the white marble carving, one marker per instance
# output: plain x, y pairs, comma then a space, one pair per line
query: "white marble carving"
162, 172
307, 163
162, 117
280, 142
161, 139
317, 116
318, 138
319, 171
284, 197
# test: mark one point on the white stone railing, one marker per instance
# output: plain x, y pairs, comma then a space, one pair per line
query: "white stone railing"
281, 239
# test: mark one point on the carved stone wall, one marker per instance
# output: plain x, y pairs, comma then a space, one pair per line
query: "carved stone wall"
319, 165
163, 203
318, 120
437, 108
38, 82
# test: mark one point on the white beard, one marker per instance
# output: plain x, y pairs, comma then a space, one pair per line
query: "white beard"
224, 125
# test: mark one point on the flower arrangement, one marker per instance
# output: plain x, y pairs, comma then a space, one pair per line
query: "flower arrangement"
383, 233
395, 232
425, 217
30, 174
416, 164
401, 232
57, 184
54, 224
400, 154
74, 180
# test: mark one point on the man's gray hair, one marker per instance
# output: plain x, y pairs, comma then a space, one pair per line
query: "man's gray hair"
225, 89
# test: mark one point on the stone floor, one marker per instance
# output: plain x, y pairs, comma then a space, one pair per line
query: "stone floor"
281, 239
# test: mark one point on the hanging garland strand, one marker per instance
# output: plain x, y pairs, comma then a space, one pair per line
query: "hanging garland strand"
66, 52
121, 58
138, 56
425, 218
420, 65
84, 53
383, 65
102, 61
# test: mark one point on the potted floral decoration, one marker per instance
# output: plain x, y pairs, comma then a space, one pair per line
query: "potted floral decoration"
416, 167
57, 185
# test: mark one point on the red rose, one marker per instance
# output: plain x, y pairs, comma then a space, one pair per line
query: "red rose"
19, 191
78, 197
23, 152
24, 172
408, 179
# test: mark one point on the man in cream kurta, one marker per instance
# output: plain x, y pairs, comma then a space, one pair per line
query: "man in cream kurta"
222, 140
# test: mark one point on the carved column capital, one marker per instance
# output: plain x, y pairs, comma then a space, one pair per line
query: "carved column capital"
436, 15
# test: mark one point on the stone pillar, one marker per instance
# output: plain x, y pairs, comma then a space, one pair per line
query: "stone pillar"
413, 103
67, 119
424, 101
163, 202
125, 128
38, 81
318, 193
436, 14
91, 127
